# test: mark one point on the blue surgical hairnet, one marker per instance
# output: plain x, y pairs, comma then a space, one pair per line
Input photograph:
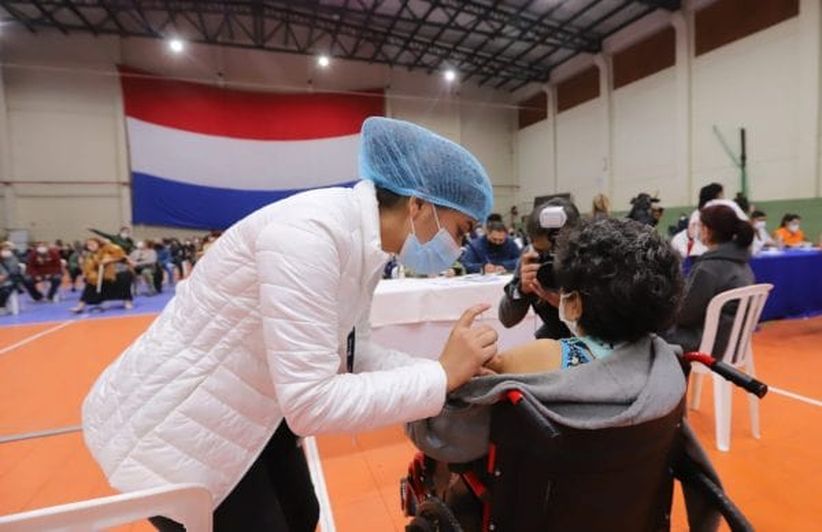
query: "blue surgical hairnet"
411, 161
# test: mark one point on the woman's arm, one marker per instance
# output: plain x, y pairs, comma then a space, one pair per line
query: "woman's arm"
299, 275
539, 356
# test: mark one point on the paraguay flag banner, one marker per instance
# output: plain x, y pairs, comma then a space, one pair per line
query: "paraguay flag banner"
204, 157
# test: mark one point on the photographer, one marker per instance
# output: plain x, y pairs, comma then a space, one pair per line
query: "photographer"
526, 290
642, 209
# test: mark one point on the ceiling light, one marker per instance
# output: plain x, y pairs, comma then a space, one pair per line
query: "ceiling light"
323, 61
450, 75
176, 45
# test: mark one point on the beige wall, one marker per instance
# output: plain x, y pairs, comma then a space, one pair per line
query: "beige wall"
656, 134
61, 119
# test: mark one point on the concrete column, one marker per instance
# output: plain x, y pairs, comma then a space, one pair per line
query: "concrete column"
123, 176
551, 93
605, 180
810, 21
681, 21
9, 196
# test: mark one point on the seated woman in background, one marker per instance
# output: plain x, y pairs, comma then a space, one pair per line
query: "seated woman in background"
789, 234
762, 239
620, 283
728, 236
117, 276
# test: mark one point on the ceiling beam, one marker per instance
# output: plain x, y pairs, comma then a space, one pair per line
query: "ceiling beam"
48, 16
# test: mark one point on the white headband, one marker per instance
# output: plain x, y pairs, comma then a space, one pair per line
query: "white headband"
728, 203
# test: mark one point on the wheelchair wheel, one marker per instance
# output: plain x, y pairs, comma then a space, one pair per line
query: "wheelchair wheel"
434, 516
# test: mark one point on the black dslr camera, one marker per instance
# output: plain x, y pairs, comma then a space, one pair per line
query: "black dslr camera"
553, 218
641, 209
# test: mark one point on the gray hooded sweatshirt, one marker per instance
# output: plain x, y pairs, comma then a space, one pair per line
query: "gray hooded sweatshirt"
637, 382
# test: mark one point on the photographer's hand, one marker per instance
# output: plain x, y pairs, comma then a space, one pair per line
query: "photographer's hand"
528, 267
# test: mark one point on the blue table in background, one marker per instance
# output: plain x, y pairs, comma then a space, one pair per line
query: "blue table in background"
797, 279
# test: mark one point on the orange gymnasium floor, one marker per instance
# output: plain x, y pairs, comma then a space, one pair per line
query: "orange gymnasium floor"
46, 369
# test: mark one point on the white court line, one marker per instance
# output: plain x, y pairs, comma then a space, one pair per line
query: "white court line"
41, 434
786, 393
34, 337
315, 467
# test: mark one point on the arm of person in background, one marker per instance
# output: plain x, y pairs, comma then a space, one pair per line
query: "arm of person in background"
299, 276
472, 260
107, 236
700, 287
514, 305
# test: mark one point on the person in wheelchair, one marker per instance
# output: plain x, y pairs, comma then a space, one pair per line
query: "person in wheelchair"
620, 284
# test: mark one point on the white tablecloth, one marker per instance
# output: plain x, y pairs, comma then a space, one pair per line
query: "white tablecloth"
416, 315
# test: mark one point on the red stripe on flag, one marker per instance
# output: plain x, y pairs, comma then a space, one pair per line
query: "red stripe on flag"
233, 113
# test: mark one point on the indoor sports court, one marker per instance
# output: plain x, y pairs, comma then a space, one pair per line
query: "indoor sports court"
410, 265
49, 366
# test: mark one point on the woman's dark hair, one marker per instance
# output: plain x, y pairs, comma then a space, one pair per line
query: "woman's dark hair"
709, 192
758, 214
628, 276
726, 226
495, 226
788, 218
387, 199
533, 226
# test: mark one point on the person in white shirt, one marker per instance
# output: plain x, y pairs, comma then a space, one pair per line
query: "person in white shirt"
762, 239
687, 242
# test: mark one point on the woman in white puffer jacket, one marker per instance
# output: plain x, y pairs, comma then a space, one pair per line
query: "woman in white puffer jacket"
270, 335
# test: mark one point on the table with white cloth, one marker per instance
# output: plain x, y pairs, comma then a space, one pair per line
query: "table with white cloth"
417, 315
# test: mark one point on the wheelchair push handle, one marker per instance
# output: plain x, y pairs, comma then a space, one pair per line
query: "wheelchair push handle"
730, 373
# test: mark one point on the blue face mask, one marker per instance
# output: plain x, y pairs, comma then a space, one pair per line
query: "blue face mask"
436, 255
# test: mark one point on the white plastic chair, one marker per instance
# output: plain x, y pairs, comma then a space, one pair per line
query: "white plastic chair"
738, 354
188, 504
13, 304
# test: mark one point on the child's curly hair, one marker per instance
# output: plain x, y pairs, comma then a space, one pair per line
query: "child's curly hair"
628, 276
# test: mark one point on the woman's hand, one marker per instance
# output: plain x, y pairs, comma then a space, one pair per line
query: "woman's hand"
468, 348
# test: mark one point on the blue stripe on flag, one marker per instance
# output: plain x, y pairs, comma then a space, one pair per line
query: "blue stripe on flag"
159, 201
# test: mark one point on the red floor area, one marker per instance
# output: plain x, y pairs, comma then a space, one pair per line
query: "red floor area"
775, 480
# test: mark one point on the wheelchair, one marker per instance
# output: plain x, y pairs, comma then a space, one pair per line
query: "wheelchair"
539, 475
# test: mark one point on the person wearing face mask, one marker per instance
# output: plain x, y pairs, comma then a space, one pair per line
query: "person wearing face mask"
107, 274
122, 238
11, 263
789, 234
9, 273
144, 260
43, 264
762, 239
494, 252
269, 337
620, 284
728, 235
525, 292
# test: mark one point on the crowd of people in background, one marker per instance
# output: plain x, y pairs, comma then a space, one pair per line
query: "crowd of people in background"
715, 243
106, 267
495, 248
116, 267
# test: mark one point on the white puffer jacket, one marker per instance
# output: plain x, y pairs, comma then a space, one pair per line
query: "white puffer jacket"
258, 333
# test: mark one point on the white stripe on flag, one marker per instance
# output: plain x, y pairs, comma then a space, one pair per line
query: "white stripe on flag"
242, 164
